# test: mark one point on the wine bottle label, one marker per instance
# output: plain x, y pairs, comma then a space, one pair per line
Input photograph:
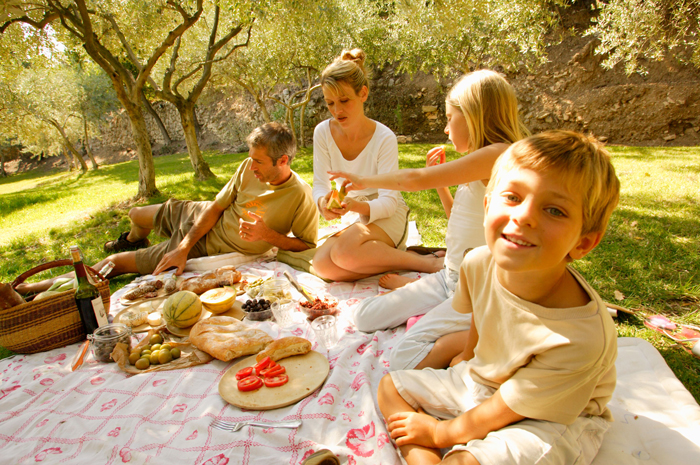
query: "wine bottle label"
100, 313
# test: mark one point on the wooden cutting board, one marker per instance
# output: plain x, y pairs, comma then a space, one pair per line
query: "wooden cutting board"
306, 374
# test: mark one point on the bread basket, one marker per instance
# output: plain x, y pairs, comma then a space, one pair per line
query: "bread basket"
48, 323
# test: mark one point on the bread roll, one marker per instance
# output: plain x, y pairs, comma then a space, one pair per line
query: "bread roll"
285, 347
226, 338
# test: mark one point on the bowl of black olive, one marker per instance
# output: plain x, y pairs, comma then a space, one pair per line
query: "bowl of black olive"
257, 309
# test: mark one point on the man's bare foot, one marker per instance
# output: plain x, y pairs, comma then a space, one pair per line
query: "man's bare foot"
394, 281
29, 288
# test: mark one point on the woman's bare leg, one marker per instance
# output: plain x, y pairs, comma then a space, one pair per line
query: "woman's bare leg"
365, 250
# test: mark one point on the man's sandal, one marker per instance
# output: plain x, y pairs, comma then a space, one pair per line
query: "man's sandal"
687, 336
122, 244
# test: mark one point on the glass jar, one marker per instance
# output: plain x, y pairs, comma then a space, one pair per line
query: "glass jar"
277, 288
105, 339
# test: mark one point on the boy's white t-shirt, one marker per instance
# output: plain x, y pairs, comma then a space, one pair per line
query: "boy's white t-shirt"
551, 364
380, 155
465, 228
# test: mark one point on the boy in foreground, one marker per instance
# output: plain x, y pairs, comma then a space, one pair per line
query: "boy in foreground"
538, 369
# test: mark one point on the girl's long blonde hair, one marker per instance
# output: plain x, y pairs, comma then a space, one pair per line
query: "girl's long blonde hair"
490, 108
348, 68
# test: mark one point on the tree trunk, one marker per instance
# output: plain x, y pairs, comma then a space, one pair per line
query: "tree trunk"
200, 166
197, 126
290, 121
68, 158
2, 164
159, 122
87, 146
302, 139
147, 172
79, 160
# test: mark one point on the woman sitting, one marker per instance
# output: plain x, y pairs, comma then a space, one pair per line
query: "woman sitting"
352, 142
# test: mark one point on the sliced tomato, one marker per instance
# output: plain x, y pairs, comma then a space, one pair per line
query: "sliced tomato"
276, 381
262, 364
251, 383
271, 372
244, 373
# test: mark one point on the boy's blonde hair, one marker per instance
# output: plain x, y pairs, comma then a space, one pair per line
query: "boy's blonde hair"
581, 161
490, 107
348, 68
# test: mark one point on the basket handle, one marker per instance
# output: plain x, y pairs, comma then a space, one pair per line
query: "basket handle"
54, 264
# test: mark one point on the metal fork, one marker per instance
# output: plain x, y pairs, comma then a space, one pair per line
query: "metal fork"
229, 426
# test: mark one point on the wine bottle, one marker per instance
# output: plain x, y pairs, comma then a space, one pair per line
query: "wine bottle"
87, 296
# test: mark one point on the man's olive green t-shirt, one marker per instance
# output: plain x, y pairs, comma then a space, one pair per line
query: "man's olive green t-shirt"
288, 207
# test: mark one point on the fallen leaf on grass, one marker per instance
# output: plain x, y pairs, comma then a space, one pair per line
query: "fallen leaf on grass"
619, 295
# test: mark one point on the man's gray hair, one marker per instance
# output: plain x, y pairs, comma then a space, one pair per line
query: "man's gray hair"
276, 138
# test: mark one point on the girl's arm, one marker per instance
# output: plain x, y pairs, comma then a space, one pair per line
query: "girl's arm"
472, 167
387, 161
322, 163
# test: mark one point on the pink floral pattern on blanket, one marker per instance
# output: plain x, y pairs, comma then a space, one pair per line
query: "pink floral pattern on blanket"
103, 415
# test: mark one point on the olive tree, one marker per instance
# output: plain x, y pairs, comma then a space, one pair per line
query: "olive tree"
84, 22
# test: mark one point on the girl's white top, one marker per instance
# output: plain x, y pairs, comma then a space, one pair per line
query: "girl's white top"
465, 228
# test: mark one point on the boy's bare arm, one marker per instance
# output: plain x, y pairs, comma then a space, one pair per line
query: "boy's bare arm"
468, 352
491, 415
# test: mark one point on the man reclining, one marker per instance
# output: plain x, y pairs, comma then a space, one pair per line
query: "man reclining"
262, 203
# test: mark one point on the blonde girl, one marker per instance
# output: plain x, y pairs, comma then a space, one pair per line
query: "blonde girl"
350, 141
482, 121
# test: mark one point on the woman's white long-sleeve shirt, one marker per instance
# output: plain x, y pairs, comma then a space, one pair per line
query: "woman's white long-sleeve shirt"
380, 155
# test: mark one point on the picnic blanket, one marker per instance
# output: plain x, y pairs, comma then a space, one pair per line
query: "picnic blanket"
100, 414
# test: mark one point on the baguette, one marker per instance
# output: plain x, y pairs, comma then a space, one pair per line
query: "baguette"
226, 338
285, 347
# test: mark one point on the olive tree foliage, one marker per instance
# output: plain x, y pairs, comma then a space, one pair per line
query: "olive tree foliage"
192, 60
85, 23
631, 31
97, 99
443, 37
291, 43
51, 96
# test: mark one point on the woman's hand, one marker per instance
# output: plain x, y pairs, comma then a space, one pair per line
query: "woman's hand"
352, 182
435, 156
413, 428
327, 214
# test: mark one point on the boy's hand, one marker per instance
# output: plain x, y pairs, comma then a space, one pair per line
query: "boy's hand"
413, 428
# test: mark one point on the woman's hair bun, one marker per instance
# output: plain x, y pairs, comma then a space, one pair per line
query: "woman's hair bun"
357, 55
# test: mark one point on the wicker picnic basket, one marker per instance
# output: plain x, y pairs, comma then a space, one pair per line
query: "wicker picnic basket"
48, 323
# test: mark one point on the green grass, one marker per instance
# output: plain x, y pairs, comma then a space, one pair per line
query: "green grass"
650, 254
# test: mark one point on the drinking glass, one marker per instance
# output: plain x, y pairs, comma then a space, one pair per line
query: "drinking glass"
326, 332
283, 310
